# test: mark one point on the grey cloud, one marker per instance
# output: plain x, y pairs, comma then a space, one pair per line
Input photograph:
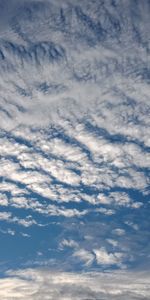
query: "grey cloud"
36, 284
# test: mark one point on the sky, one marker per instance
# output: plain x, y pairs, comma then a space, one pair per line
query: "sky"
74, 149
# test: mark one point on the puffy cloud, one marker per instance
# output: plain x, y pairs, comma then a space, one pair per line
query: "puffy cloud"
85, 256
3, 199
8, 217
5, 216
68, 243
33, 171
105, 258
25, 222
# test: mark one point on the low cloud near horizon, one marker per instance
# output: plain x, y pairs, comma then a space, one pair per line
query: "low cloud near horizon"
30, 284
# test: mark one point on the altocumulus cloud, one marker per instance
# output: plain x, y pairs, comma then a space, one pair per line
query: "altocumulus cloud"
74, 149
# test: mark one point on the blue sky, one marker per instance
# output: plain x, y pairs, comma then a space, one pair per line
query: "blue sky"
74, 150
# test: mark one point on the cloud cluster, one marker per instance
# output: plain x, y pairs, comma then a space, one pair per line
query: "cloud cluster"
74, 133
82, 169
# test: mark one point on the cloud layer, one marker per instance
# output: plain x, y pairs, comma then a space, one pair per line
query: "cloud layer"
36, 284
74, 149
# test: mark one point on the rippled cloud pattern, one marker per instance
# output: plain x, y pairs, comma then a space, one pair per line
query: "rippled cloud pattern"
74, 149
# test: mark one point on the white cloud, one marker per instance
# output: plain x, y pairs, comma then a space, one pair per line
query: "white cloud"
62, 149
3, 200
68, 243
62, 211
132, 225
24, 222
5, 216
116, 198
105, 211
105, 258
85, 256
8, 231
112, 242
36, 284
25, 234
76, 128
86, 159
119, 231
8, 217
